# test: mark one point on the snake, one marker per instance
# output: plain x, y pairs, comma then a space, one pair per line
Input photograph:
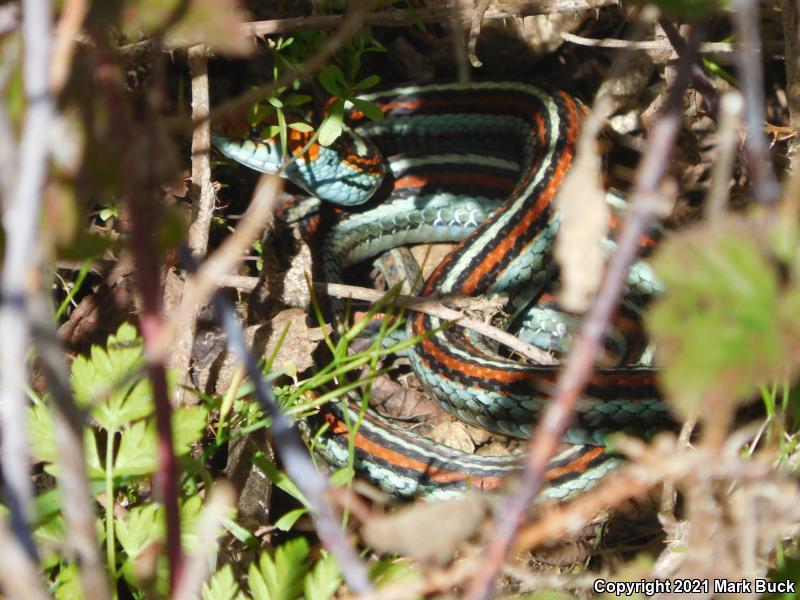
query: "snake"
478, 164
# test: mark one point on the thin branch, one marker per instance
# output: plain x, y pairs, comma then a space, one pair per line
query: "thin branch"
751, 73
9, 17
20, 266
632, 483
19, 574
77, 503
650, 465
700, 81
580, 360
437, 309
425, 305
9, 60
351, 24
203, 191
73, 12
220, 504
143, 211
203, 201
791, 34
403, 18
658, 46
456, 34
202, 285
727, 135
478, 14
294, 454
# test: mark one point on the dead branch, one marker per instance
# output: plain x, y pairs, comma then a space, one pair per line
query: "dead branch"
21, 277
203, 202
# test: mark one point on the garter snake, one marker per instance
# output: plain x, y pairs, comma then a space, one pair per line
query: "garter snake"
501, 212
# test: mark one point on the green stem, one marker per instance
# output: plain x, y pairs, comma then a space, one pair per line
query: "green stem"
75, 288
111, 553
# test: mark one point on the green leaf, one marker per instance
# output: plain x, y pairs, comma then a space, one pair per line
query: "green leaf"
370, 109
188, 425
275, 101
269, 132
241, 533
296, 99
258, 113
41, 434
300, 126
342, 477
84, 245
142, 526
107, 213
222, 586
332, 79
107, 381
388, 570
788, 571
256, 583
331, 128
50, 538
323, 580
190, 510
719, 325
284, 43
68, 583
93, 464
281, 578
287, 521
137, 451
367, 82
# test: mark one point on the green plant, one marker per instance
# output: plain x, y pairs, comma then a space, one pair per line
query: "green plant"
120, 449
273, 115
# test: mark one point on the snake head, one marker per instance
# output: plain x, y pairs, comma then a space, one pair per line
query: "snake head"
348, 172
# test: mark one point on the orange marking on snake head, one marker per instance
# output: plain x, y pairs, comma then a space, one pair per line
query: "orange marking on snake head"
298, 141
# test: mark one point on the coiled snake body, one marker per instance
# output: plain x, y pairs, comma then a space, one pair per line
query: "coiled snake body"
442, 192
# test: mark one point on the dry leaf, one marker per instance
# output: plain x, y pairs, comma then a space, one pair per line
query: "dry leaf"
584, 222
454, 435
428, 532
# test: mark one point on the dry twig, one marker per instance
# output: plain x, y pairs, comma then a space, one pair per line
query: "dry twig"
203, 201
143, 209
21, 278
751, 73
475, 32
201, 285
295, 457
77, 504
19, 575
791, 35
424, 305
220, 504
730, 106
658, 46
70, 22
404, 18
